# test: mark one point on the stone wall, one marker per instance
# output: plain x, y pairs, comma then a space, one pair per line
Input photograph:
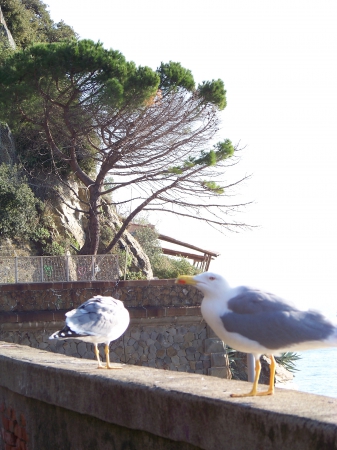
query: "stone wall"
61, 402
166, 330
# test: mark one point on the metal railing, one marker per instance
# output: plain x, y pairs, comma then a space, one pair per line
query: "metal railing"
43, 269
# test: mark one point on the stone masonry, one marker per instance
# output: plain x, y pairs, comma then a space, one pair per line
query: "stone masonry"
166, 330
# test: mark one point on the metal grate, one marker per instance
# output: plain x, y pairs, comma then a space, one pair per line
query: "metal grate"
40, 269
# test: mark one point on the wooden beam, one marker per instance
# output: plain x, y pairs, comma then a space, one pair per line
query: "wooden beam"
162, 237
169, 251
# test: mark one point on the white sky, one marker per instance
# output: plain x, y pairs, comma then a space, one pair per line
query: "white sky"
278, 62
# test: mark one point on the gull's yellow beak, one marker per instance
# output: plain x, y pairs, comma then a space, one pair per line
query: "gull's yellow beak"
185, 279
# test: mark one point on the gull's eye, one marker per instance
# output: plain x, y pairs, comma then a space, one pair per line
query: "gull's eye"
212, 278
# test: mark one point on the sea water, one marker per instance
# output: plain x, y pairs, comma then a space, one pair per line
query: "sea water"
317, 372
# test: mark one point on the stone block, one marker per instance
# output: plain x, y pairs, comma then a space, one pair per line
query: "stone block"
213, 345
192, 365
171, 351
199, 365
189, 337
206, 364
43, 345
218, 359
135, 335
161, 353
178, 338
219, 372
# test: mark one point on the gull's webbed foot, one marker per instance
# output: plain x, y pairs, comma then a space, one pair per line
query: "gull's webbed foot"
254, 392
107, 357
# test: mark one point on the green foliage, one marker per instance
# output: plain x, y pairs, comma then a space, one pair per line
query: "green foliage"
287, 360
175, 170
173, 75
5, 49
124, 259
18, 205
29, 22
65, 94
54, 249
162, 265
47, 239
213, 92
208, 158
23, 216
88, 65
130, 275
34, 153
105, 237
213, 187
60, 74
165, 267
148, 240
66, 72
219, 152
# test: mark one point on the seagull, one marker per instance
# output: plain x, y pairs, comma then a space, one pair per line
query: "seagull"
254, 321
99, 320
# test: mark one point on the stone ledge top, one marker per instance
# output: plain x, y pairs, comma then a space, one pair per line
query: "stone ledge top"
10, 287
136, 312
179, 406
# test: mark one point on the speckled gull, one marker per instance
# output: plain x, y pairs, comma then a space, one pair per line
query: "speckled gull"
257, 322
99, 320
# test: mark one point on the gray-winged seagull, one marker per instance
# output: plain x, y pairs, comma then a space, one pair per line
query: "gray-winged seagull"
99, 320
257, 322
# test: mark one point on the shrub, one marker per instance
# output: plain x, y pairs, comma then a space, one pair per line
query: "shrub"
166, 267
18, 205
162, 265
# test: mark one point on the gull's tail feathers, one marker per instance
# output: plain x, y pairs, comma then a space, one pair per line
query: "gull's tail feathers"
65, 333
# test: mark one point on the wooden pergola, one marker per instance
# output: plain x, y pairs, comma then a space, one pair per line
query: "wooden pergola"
202, 261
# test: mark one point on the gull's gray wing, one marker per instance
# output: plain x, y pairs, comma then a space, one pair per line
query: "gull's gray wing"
272, 322
97, 316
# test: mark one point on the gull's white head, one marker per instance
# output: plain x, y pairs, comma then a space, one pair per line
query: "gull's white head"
208, 282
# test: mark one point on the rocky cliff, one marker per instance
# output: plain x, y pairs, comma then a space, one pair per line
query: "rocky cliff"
65, 210
4, 31
67, 215
7, 147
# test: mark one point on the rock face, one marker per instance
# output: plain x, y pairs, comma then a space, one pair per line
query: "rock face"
66, 213
68, 218
7, 146
4, 31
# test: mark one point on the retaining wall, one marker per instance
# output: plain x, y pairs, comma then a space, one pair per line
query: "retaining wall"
57, 402
166, 329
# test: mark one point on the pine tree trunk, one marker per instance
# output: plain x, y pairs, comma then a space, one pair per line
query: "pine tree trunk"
92, 235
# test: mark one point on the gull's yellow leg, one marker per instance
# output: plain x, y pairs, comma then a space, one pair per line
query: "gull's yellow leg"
272, 377
107, 356
97, 356
254, 391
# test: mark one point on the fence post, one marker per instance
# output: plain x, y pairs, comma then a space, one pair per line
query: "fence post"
41, 264
92, 267
126, 261
67, 267
16, 269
